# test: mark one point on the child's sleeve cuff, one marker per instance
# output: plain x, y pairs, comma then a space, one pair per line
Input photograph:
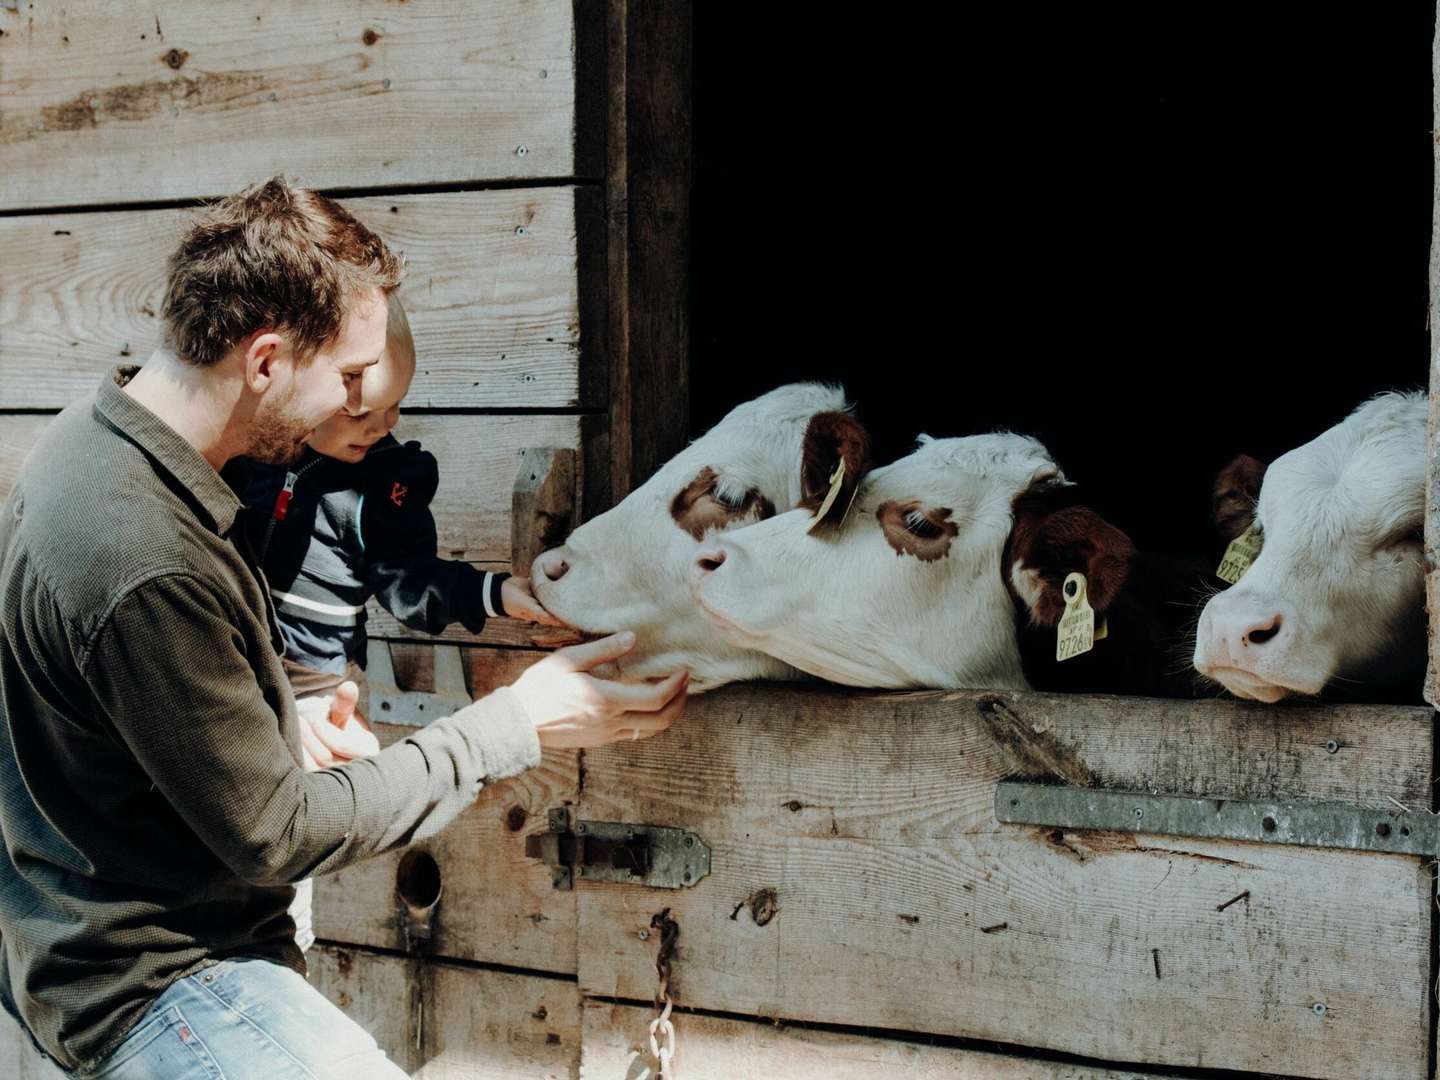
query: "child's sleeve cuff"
492, 596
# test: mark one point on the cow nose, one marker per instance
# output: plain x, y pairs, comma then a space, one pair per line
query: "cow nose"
1263, 631
552, 564
1247, 632
707, 561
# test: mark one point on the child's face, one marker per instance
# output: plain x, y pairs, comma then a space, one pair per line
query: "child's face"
348, 436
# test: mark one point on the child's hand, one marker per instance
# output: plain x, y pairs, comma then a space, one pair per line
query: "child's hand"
520, 602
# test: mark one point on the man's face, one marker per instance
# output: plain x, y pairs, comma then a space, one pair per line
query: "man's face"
304, 396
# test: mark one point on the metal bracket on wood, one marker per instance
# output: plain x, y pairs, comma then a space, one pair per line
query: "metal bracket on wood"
1318, 824
619, 853
414, 708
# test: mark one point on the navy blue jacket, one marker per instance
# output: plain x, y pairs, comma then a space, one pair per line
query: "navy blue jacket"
347, 532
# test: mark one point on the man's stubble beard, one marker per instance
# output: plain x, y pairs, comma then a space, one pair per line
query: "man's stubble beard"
279, 434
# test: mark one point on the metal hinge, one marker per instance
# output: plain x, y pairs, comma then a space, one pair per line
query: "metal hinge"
617, 852
1401, 831
414, 708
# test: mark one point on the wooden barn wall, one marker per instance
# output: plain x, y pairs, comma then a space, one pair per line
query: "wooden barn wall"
866, 914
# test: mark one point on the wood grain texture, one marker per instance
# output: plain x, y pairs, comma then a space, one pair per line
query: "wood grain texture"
903, 904
615, 1044
543, 508
442, 1022
497, 906
1432, 487
181, 100
491, 293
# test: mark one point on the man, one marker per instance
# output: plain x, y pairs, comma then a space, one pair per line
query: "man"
152, 800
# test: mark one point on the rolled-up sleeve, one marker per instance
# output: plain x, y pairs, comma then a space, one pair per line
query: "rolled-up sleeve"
172, 678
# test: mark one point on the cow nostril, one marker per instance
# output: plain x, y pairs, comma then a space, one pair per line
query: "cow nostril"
1259, 635
711, 560
556, 569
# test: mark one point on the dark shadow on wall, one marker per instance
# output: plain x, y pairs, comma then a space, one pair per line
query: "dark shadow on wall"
1153, 238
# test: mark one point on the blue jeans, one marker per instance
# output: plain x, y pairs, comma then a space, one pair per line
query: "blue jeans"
246, 1018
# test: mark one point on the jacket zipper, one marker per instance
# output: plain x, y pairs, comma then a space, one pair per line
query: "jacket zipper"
282, 504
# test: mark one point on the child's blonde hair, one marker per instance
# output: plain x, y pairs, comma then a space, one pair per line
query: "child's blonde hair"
399, 342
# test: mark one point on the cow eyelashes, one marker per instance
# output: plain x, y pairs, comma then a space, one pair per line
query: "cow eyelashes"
917, 524
729, 494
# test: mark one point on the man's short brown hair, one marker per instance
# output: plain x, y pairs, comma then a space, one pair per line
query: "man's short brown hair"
276, 256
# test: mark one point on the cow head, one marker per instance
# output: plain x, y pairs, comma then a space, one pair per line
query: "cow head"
1336, 594
907, 590
627, 568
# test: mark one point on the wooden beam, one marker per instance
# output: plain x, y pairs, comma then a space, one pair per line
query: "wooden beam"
543, 506
438, 1021
180, 101
615, 1043
858, 869
492, 295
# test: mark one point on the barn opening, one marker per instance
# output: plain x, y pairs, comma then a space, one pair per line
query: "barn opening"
1153, 239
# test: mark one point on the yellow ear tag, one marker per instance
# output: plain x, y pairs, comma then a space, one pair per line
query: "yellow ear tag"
1077, 625
1242, 552
837, 481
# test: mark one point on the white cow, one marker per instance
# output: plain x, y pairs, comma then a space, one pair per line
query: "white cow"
1335, 598
627, 569
908, 591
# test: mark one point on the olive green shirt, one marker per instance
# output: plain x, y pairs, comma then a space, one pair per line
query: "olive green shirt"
152, 800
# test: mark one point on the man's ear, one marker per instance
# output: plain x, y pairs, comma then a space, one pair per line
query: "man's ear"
1232, 502
261, 352
1051, 547
830, 438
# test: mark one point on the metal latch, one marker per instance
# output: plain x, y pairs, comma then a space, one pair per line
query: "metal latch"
620, 853
1401, 831
414, 708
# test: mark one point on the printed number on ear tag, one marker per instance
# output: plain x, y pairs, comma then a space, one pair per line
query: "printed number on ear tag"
1242, 552
1077, 625
837, 481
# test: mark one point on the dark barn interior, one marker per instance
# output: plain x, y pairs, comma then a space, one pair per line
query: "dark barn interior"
1152, 238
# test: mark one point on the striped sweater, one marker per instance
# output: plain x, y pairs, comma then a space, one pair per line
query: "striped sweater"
331, 534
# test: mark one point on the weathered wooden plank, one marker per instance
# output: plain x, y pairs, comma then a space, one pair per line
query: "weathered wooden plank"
1432, 487
184, 100
648, 170
543, 508
496, 906
492, 296
615, 1043
442, 1022
860, 878
478, 458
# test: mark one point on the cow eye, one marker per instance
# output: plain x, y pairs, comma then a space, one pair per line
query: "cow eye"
730, 495
917, 524
1407, 538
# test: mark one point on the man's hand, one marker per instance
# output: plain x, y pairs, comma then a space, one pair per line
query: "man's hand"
332, 732
571, 708
520, 603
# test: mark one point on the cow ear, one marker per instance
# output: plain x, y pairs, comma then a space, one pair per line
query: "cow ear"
1075, 539
830, 438
1237, 487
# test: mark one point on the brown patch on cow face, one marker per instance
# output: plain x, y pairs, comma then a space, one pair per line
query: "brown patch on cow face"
912, 528
832, 437
1053, 538
700, 507
1232, 503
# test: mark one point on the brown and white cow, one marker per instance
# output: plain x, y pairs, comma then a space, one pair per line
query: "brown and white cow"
627, 569
1335, 600
948, 573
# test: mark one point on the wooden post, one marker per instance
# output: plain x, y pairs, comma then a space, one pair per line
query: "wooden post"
1432, 489
543, 506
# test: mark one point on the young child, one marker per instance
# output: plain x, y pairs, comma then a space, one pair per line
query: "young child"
352, 520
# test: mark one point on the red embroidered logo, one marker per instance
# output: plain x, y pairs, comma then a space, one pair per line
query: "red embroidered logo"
398, 493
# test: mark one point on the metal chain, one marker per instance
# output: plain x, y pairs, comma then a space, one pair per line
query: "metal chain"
662, 1031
